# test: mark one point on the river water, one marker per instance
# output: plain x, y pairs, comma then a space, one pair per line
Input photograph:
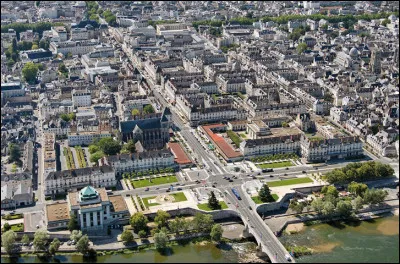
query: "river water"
367, 241
375, 241
192, 253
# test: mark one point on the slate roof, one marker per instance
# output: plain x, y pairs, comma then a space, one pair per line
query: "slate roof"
144, 124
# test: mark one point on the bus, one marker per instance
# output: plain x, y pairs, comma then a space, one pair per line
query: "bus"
236, 193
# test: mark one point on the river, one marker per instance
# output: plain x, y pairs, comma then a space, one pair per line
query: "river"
375, 241
192, 253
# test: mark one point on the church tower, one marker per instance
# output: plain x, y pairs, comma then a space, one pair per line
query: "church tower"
376, 62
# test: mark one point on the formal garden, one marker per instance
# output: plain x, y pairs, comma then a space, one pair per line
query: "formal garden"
276, 157
163, 228
279, 164
69, 158
81, 157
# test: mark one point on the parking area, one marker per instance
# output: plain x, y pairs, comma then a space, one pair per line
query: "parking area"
34, 219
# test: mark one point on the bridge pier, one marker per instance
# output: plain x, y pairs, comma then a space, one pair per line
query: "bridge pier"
246, 233
259, 252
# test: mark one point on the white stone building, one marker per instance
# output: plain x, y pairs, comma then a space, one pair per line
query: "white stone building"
81, 98
139, 161
86, 138
73, 180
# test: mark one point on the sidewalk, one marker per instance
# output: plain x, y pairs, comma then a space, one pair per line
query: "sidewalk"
114, 245
12, 222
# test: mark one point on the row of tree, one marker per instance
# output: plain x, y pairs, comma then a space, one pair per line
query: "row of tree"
348, 20
332, 204
41, 239
179, 225
360, 172
14, 153
104, 146
131, 175
275, 157
38, 27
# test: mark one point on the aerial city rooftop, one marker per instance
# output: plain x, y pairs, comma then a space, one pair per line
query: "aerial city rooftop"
115, 110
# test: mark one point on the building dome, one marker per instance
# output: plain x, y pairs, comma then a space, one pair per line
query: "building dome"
392, 18
353, 52
88, 193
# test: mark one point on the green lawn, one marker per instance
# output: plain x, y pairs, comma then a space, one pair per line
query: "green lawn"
154, 181
17, 227
179, 197
146, 201
243, 135
276, 164
257, 200
234, 137
205, 207
12, 217
289, 182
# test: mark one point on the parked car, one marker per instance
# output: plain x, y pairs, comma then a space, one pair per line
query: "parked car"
254, 177
250, 208
179, 189
304, 171
287, 168
271, 176
230, 180
168, 190
147, 189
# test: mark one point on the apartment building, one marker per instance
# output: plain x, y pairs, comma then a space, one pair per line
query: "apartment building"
85, 138
278, 140
74, 47
139, 161
322, 150
81, 98
231, 85
72, 180
49, 108
12, 89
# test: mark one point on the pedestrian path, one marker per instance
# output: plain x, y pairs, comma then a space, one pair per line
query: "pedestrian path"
129, 203
124, 186
137, 203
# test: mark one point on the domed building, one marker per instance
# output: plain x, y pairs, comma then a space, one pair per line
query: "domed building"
94, 209
353, 53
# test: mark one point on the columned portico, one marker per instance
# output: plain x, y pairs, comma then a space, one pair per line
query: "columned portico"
87, 219
95, 219
94, 208
81, 218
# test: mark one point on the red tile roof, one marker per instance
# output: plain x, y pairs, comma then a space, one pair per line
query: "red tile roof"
180, 155
221, 143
